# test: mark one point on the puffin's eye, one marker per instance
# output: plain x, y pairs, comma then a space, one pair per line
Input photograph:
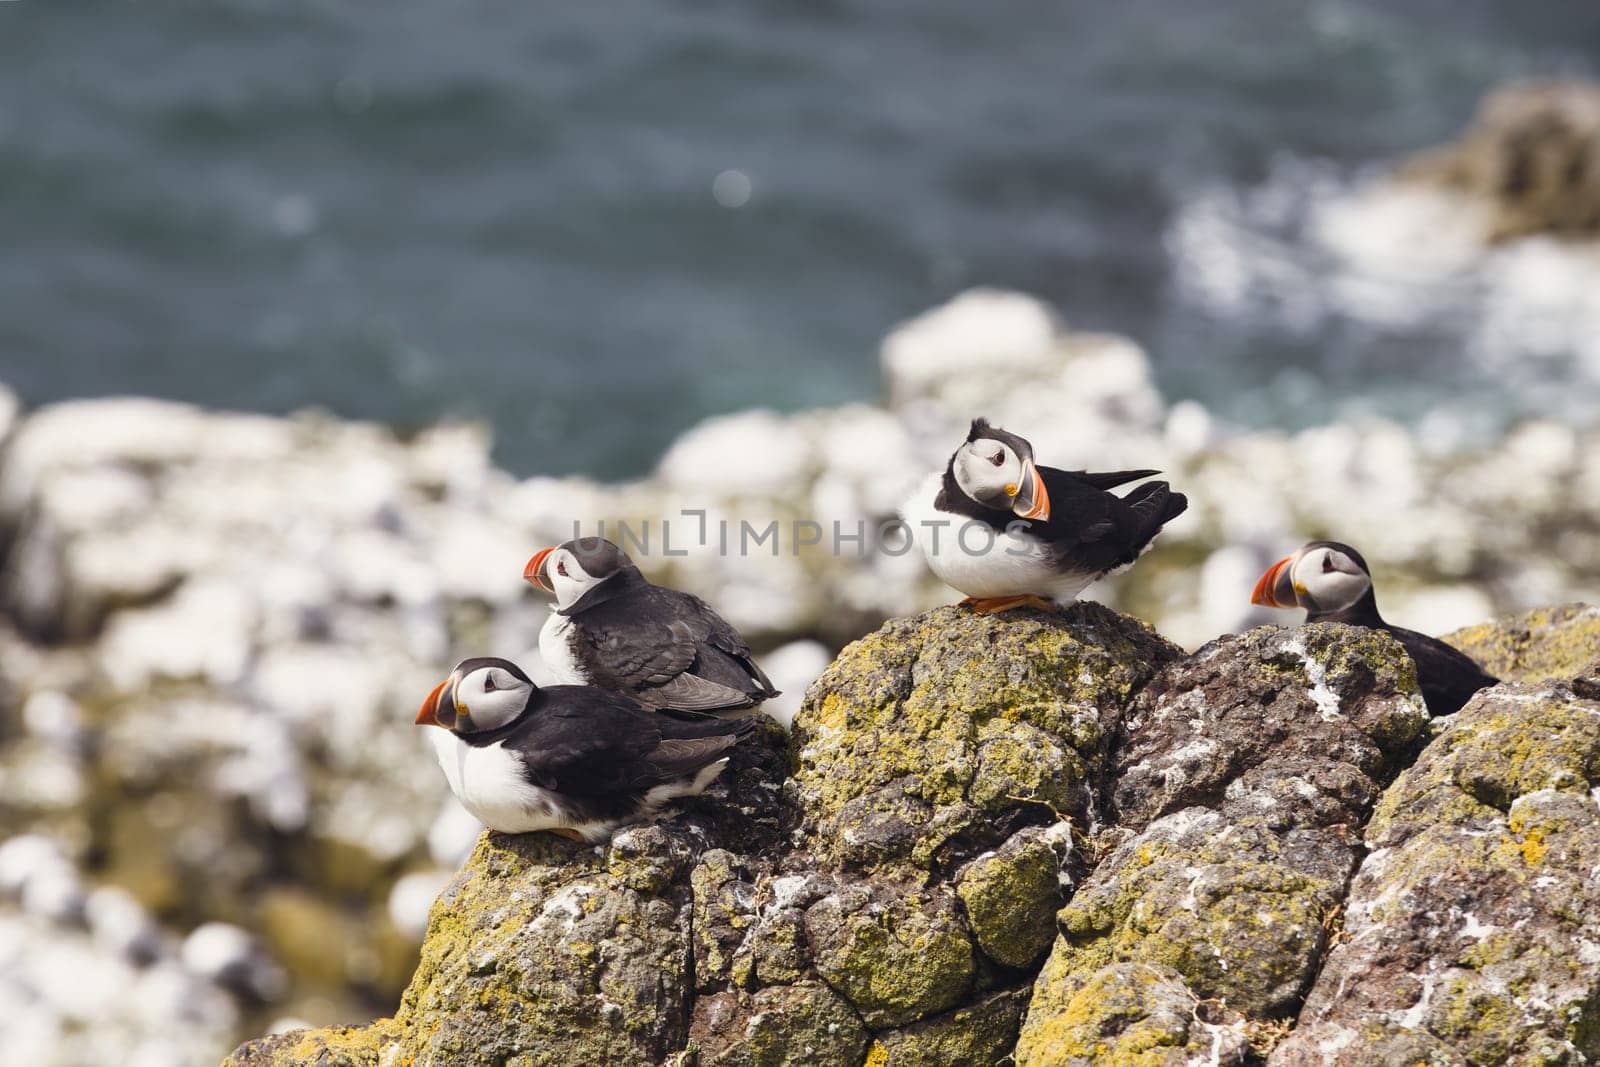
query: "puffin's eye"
1327, 563
488, 683
561, 568
998, 458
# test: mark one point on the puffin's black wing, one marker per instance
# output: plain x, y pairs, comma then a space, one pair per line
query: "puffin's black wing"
1094, 531
1448, 677
585, 742
672, 651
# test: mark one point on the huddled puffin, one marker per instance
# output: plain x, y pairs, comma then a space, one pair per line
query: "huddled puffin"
572, 759
1334, 584
1048, 533
612, 628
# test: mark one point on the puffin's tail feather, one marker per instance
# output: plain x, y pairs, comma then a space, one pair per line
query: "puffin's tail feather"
1153, 505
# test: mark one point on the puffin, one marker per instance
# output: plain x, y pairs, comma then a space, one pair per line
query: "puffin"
1042, 535
614, 629
1334, 584
571, 759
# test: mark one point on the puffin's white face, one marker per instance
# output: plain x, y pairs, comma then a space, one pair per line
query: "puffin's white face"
558, 570
1325, 579
488, 698
991, 472
1321, 578
568, 580
480, 694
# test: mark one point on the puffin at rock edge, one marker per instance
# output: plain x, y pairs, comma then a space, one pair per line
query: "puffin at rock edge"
571, 759
1008, 532
612, 628
1334, 584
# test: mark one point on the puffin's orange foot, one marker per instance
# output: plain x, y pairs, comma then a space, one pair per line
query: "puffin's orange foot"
993, 604
566, 832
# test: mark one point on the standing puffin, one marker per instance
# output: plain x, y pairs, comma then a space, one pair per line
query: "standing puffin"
1043, 534
1334, 584
571, 759
613, 629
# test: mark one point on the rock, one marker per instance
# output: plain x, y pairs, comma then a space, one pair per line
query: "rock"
1540, 645
743, 931
1011, 894
1245, 775
371, 1046
1472, 930
935, 738
980, 1035
557, 952
780, 1026
896, 958
1531, 153
1135, 1013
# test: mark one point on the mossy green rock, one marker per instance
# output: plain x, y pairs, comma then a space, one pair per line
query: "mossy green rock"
780, 1026
979, 1035
929, 741
378, 1045
1247, 771
1536, 646
957, 777
896, 958
1135, 1015
1473, 926
1011, 894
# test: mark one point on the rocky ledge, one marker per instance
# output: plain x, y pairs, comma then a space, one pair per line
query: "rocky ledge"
1059, 840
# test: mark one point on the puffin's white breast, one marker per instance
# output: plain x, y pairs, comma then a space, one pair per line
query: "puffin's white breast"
555, 648
490, 783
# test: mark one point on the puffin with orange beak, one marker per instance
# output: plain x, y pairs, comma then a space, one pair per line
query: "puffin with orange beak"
571, 759
1334, 584
614, 629
1010, 533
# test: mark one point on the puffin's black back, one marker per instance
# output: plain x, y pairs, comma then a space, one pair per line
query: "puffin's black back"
603, 751
667, 648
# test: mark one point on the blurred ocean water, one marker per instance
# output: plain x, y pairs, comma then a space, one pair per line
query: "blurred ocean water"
593, 225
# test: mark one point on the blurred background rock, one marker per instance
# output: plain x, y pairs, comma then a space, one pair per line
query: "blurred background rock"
531, 270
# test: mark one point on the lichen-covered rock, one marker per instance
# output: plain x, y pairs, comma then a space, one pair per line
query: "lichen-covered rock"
1546, 643
545, 952
979, 1035
370, 1046
896, 958
1011, 894
937, 737
780, 1026
1136, 1015
1247, 771
1270, 698
1472, 930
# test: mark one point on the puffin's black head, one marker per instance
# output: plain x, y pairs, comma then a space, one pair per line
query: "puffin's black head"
1323, 577
481, 694
573, 568
996, 468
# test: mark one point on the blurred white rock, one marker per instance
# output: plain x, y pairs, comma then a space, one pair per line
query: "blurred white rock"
412, 898
229, 956
452, 834
751, 454
792, 668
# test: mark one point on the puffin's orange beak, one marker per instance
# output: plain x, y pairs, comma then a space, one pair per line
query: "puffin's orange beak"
429, 713
1032, 502
534, 572
1275, 589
